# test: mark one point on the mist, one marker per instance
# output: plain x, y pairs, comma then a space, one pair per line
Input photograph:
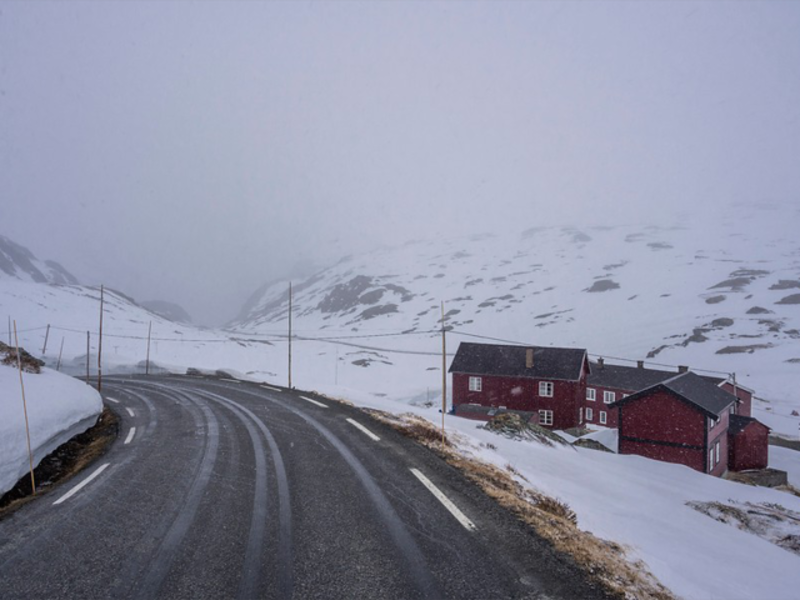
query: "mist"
190, 152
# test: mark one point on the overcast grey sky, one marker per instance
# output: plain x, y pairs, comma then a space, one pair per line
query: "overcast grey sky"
190, 151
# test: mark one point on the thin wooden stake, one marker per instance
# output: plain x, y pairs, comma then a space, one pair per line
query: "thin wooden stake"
60, 352
100, 347
147, 362
9, 330
46, 335
290, 335
24, 408
444, 373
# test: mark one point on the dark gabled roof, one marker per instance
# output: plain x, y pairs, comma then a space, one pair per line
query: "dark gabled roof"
694, 389
739, 423
632, 379
509, 361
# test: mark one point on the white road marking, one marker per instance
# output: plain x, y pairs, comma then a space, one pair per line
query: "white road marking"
112, 400
364, 430
314, 402
231, 380
130, 411
271, 388
83, 483
131, 433
446, 502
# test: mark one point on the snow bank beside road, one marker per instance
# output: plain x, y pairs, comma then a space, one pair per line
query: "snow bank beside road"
59, 407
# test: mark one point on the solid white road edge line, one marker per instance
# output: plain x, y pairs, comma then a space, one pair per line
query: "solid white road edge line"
113, 400
271, 388
446, 502
78, 487
314, 402
131, 433
363, 429
130, 411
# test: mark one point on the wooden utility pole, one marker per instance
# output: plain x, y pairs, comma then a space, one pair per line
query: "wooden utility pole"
25, 409
87, 357
147, 362
46, 335
290, 335
444, 373
100, 347
60, 352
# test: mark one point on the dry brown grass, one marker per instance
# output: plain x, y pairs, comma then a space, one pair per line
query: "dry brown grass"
602, 560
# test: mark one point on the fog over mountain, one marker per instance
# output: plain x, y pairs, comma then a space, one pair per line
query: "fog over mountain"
191, 152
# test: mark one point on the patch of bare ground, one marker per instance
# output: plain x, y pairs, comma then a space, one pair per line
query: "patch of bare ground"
603, 561
64, 462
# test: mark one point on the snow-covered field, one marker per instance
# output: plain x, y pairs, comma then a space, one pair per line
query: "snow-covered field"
59, 408
706, 293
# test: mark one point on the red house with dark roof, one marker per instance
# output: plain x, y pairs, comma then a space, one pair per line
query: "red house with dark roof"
682, 420
607, 383
548, 383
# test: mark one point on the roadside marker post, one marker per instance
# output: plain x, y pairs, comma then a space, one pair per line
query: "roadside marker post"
24, 409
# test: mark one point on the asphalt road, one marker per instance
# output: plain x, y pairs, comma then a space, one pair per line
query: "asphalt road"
219, 489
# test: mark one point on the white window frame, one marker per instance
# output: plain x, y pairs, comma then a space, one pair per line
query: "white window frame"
710, 459
546, 389
716, 451
609, 397
580, 416
591, 394
589, 414
603, 417
475, 384
546, 417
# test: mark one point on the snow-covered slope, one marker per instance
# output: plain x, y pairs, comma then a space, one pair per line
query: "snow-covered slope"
720, 294
59, 407
17, 262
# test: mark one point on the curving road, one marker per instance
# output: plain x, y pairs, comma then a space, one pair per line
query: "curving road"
224, 489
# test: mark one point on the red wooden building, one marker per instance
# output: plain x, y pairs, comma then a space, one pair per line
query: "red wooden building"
607, 383
681, 420
549, 383
748, 444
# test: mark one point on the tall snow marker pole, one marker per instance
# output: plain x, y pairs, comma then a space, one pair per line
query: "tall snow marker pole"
290, 335
444, 373
100, 347
24, 409
60, 352
147, 362
46, 335
87, 357
9, 330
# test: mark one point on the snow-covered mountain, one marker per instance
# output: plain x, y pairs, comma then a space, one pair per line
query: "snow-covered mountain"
168, 310
17, 262
719, 294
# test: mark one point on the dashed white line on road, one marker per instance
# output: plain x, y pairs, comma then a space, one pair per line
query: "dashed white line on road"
112, 400
446, 502
314, 402
364, 430
231, 380
130, 411
271, 388
131, 433
83, 483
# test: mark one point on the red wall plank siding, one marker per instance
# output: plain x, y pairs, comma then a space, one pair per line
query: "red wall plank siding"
522, 393
662, 417
683, 456
750, 448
